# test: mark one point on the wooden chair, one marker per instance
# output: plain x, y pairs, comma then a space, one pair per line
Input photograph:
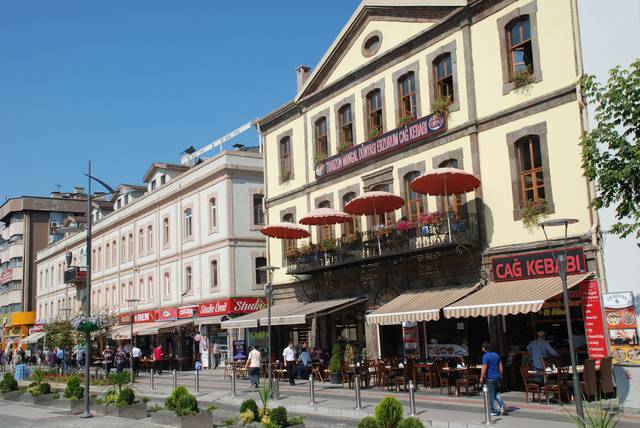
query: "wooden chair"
442, 380
558, 386
605, 383
469, 379
316, 372
589, 383
529, 385
428, 377
403, 379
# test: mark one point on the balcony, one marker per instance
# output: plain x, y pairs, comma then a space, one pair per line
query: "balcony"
388, 241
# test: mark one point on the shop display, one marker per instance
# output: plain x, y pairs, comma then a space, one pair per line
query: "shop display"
623, 330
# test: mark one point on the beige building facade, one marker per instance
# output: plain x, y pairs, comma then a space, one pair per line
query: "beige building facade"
371, 116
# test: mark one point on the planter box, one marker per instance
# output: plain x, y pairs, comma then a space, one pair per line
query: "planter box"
40, 400
335, 379
201, 420
10, 396
74, 406
134, 411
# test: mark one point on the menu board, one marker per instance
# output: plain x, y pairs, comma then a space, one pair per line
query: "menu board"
410, 339
446, 351
620, 315
593, 322
238, 350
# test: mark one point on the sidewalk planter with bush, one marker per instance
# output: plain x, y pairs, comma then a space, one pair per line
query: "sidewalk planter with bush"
181, 410
9, 388
73, 396
389, 415
335, 368
38, 392
120, 401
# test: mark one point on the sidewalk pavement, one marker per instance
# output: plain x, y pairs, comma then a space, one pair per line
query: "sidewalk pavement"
336, 401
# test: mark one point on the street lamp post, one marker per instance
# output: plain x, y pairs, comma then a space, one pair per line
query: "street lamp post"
268, 290
562, 268
131, 301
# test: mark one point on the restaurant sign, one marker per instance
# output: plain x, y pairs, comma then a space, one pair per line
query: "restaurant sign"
536, 264
167, 314
387, 142
187, 312
241, 305
6, 275
146, 316
622, 323
593, 322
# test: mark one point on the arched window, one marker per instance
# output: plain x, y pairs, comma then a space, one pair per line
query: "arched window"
325, 231
150, 238
413, 199
188, 223
289, 244
114, 300
107, 255
345, 122
114, 253
123, 249
213, 268
350, 228
213, 213
520, 50
131, 246
188, 279
165, 231
530, 168
286, 166
53, 275
408, 97
322, 140
374, 113
141, 241
443, 73
454, 202
167, 283
123, 293
381, 218
150, 293
131, 292
141, 293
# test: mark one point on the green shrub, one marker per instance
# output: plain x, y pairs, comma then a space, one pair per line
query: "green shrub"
8, 383
296, 420
186, 405
334, 362
126, 396
155, 408
73, 391
229, 421
389, 412
368, 422
170, 401
411, 423
119, 379
145, 399
111, 396
278, 416
44, 388
250, 404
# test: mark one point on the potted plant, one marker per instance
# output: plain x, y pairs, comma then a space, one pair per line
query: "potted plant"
285, 175
440, 105
342, 147
532, 212
101, 320
319, 157
38, 391
73, 395
407, 118
327, 245
349, 354
181, 410
9, 388
335, 369
522, 79
374, 133
404, 225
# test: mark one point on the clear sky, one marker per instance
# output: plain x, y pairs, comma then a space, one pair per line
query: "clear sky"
125, 83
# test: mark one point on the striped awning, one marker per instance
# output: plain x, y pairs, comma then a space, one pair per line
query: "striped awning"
290, 313
216, 319
419, 305
511, 297
123, 331
33, 338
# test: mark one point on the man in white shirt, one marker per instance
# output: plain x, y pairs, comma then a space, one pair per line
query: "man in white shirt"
136, 353
289, 356
254, 360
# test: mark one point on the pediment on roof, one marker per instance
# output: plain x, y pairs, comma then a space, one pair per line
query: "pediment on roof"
392, 22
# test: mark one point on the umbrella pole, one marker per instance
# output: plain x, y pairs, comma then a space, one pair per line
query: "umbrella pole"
446, 205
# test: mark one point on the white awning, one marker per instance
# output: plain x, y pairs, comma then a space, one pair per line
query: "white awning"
177, 323
290, 313
123, 332
151, 328
217, 319
33, 338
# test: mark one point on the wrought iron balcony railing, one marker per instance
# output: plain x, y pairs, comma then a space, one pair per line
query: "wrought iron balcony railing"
385, 241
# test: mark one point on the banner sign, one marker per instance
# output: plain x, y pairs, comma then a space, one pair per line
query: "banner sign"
387, 142
537, 264
620, 314
240, 305
187, 312
593, 322
167, 314
146, 316
6, 275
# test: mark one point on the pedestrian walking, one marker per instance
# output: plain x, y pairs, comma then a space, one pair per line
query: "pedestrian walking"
157, 359
136, 354
304, 363
120, 360
491, 374
107, 357
215, 350
289, 356
254, 360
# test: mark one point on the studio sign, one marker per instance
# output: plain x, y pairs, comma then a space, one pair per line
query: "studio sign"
387, 142
536, 265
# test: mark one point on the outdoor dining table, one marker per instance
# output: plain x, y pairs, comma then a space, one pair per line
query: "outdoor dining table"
550, 373
455, 372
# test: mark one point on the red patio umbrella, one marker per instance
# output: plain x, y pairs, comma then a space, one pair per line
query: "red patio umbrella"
285, 230
324, 216
445, 182
374, 203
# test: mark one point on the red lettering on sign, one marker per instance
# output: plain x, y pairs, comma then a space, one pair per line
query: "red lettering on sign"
593, 321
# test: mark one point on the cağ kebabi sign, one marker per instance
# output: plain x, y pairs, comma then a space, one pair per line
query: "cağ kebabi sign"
536, 264
387, 142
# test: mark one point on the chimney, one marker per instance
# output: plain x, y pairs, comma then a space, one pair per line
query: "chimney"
302, 73
78, 190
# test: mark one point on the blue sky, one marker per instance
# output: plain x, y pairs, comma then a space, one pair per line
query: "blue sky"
125, 83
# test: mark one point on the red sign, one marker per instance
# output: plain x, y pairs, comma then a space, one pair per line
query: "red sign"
187, 311
241, 305
166, 314
536, 264
6, 275
387, 142
146, 316
593, 322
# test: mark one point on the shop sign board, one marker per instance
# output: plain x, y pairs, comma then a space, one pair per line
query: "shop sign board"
537, 264
187, 312
167, 314
238, 350
446, 351
387, 142
593, 322
410, 339
621, 318
145, 316
6, 275
240, 305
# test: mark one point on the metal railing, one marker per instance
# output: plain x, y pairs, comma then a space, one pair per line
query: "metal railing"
388, 240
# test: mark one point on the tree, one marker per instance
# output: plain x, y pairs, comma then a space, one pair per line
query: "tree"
611, 151
60, 334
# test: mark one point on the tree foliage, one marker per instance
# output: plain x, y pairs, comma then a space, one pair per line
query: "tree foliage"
610, 152
61, 334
